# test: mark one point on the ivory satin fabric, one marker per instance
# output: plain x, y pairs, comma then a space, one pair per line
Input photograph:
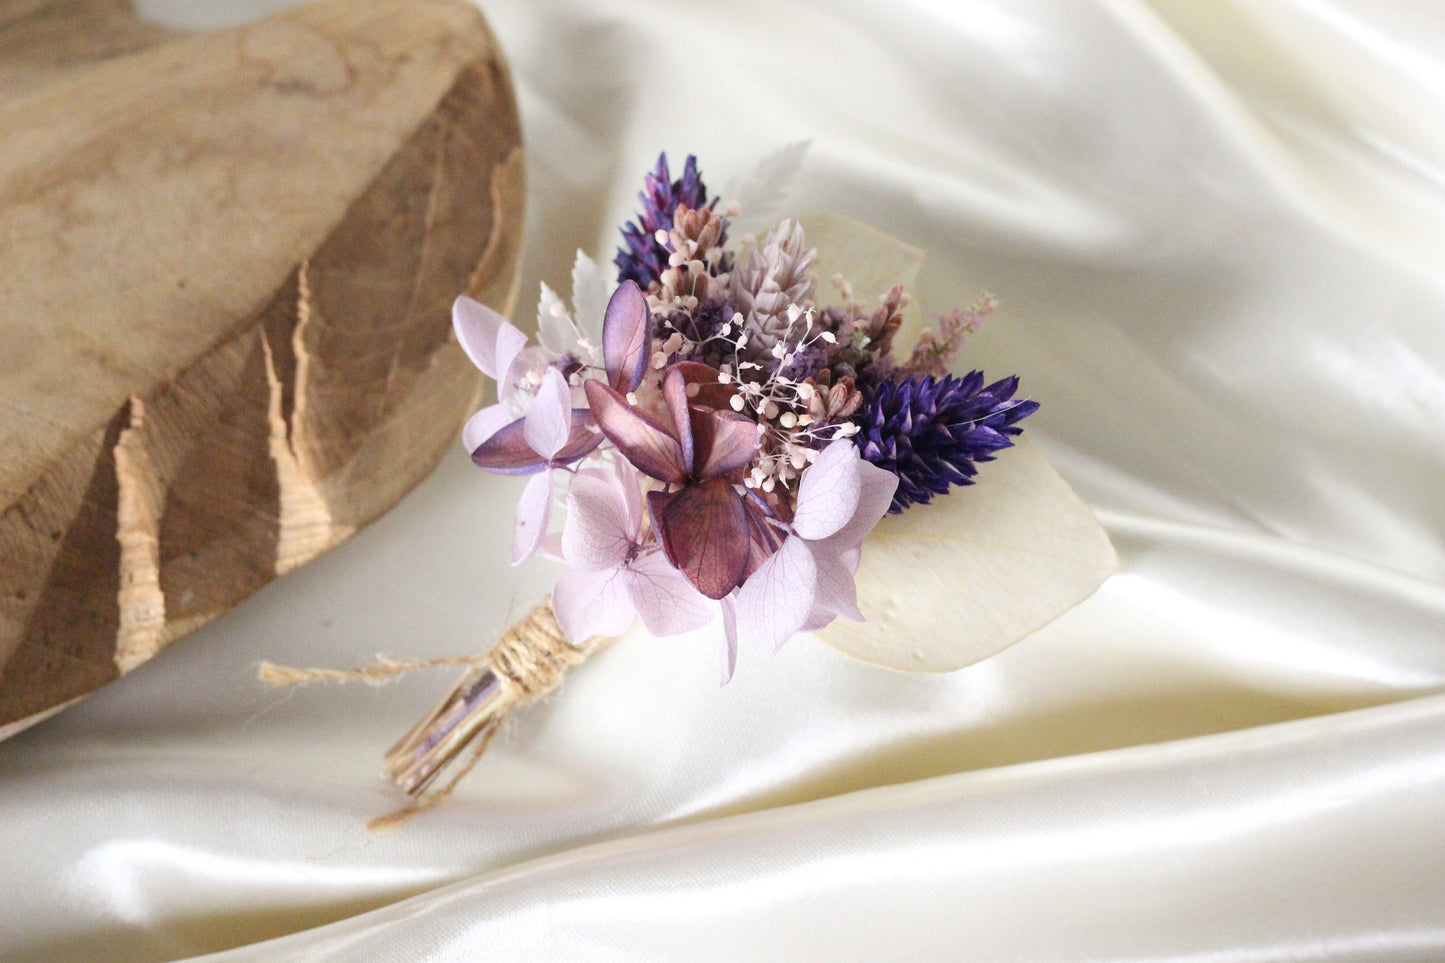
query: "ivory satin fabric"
1217, 228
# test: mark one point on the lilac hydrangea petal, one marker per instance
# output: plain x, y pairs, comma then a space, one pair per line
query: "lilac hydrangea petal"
730, 638
775, 601
836, 589
534, 511
489, 339
596, 535
828, 494
588, 604
820, 617
630, 482
483, 425
549, 420
626, 327
583, 439
645, 443
666, 601
876, 489
550, 548
724, 442
705, 530
626, 482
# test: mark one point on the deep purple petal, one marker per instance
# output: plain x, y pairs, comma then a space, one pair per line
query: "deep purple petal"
724, 442
763, 539
648, 445
483, 425
657, 503
583, 439
674, 392
626, 330
710, 393
507, 452
705, 531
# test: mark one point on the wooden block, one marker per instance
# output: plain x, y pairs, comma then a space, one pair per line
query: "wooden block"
226, 267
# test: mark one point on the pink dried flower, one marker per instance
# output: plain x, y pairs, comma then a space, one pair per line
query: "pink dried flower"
550, 435
937, 348
809, 580
701, 521
617, 574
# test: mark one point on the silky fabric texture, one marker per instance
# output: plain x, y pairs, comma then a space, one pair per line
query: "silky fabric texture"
1218, 234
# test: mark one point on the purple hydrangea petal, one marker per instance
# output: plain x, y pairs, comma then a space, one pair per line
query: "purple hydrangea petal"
724, 442
506, 452
626, 336
649, 446
705, 531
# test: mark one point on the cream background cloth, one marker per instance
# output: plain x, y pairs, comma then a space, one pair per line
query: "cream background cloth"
1218, 231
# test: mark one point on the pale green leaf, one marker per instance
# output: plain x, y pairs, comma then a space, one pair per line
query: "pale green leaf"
949, 583
946, 584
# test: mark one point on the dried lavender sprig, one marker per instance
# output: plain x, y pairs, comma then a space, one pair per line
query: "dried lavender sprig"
643, 258
929, 431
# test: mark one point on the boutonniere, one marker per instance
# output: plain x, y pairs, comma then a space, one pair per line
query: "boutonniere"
733, 430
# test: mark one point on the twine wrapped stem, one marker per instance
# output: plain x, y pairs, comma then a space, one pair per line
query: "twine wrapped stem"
528, 662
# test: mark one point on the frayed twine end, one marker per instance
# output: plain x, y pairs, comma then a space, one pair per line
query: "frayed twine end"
377, 673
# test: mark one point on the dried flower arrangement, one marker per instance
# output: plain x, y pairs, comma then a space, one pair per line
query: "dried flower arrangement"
724, 443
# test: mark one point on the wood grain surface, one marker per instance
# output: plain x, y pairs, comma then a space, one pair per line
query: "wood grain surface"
226, 266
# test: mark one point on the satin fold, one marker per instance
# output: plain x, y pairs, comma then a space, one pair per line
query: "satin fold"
1216, 231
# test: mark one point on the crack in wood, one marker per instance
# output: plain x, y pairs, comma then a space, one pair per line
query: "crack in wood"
305, 527
140, 499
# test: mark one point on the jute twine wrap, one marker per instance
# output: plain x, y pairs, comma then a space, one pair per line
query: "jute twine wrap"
532, 655
528, 662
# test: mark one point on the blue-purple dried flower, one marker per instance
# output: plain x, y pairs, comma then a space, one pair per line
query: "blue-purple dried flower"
642, 258
929, 431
